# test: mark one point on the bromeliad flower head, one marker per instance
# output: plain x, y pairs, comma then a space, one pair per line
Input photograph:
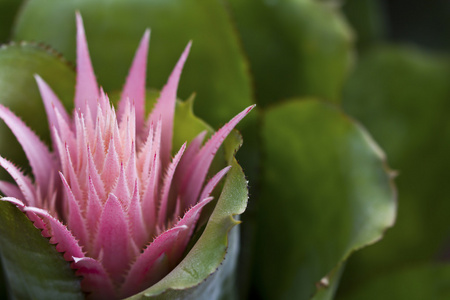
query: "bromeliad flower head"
110, 196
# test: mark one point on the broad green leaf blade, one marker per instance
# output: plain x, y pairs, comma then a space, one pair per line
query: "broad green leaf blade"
34, 269
216, 69
412, 283
326, 191
19, 92
402, 96
295, 47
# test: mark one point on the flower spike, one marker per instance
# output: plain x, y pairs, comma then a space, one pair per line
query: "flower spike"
121, 211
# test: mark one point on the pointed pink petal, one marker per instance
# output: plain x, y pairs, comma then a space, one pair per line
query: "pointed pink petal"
72, 176
189, 220
75, 220
111, 168
51, 102
14, 201
194, 178
96, 281
209, 187
10, 190
136, 219
94, 210
189, 155
194, 146
22, 181
121, 189
63, 238
127, 130
141, 274
150, 196
165, 107
38, 155
65, 134
99, 153
95, 177
60, 150
150, 150
82, 155
134, 88
86, 91
164, 205
131, 171
113, 234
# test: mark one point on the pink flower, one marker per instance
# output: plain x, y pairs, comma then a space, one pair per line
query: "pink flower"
110, 196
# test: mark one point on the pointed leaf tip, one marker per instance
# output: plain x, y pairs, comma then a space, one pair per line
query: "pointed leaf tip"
134, 87
86, 91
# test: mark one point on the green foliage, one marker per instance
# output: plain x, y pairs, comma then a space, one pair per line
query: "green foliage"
402, 96
413, 283
295, 48
326, 192
35, 270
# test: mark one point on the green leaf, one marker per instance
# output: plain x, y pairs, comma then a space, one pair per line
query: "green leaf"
216, 69
327, 287
19, 92
35, 270
412, 283
402, 96
326, 192
295, 47
203, 273
367, 19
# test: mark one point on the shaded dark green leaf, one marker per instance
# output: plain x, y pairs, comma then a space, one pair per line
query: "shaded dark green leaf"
413, 283
19, 92
8, 10
402, 96
295, 48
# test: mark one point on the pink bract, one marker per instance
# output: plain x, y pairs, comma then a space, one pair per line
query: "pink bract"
110, 196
